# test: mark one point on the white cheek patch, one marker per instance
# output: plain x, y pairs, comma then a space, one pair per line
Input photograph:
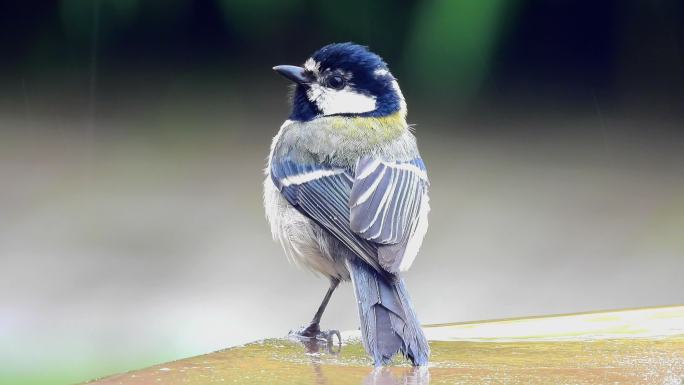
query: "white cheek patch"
344, 101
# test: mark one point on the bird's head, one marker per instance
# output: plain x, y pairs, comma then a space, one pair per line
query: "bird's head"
343, 79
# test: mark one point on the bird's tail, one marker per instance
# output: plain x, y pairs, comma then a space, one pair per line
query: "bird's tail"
388, 323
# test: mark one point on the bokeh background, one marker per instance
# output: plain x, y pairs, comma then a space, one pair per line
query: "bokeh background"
133, 135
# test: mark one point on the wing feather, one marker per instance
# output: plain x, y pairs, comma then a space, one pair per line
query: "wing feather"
373, 209
385, 203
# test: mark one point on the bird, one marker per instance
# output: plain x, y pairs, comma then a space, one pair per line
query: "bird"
346, 192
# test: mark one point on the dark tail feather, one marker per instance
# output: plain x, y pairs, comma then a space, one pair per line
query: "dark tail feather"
388, 322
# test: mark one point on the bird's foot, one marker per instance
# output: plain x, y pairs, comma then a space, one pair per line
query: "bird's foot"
311, 331
313, 335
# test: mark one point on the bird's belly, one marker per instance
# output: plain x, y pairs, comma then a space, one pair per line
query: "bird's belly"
304, 242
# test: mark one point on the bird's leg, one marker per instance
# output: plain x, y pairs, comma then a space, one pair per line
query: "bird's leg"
314, 327
312, 337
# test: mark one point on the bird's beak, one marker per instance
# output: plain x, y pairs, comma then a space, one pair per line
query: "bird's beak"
294, 73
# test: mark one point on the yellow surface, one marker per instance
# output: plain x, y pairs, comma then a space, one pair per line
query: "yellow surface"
640, 346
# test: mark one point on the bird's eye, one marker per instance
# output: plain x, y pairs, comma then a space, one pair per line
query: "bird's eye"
336, 82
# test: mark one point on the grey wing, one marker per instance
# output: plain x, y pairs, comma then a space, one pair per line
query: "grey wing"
321, 192
388, 206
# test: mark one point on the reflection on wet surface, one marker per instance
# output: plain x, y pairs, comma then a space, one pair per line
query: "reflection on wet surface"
408, 376
631, 347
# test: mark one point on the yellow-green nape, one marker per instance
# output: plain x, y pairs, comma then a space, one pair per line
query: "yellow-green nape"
370, 129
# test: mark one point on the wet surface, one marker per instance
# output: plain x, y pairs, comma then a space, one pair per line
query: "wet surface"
644, 346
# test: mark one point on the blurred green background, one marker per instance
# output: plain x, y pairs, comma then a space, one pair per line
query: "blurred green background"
133, 135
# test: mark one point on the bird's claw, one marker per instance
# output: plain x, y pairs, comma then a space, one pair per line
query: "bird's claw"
313, 335
311, 331
314, 331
